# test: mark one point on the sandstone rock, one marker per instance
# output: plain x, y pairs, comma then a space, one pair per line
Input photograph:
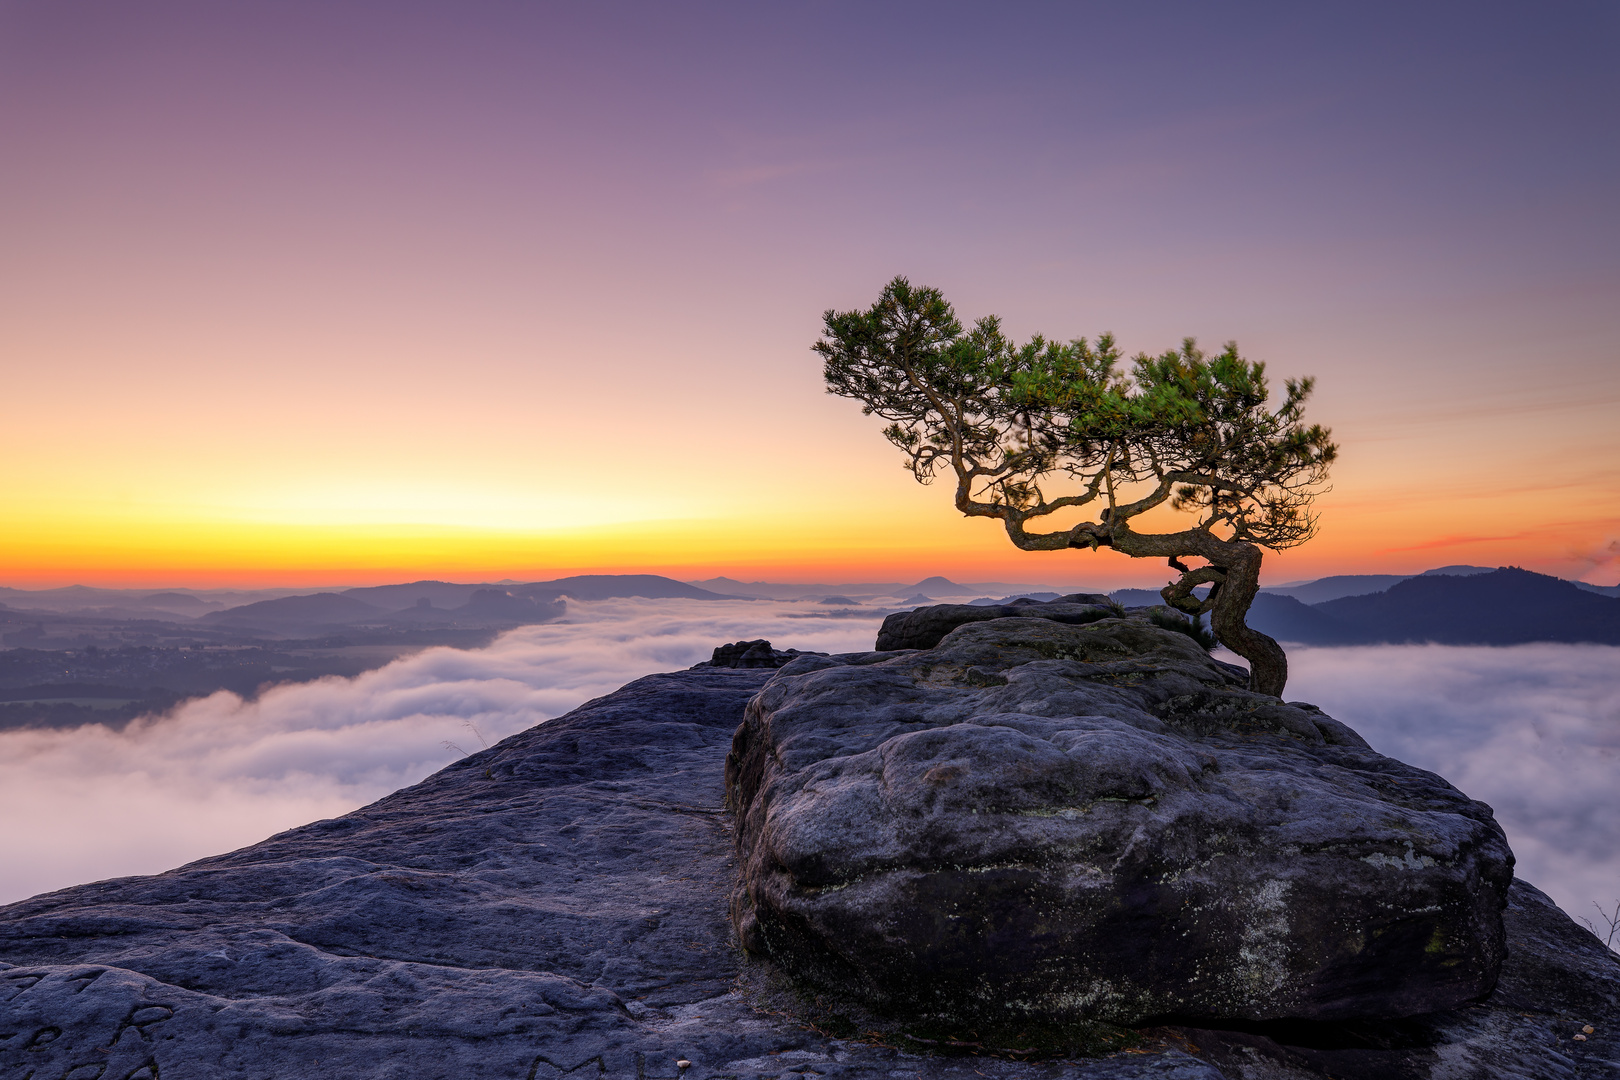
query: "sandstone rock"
551, 907
752, 654
555, 907
1556, 977
924, 627
1039, 821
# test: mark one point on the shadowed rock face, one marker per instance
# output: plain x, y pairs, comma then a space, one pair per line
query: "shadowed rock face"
1053, 822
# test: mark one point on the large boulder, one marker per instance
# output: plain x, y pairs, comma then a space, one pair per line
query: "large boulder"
752, 654
1039, 822
924, 627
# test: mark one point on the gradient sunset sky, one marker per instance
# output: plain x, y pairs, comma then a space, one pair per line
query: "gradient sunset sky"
341, 293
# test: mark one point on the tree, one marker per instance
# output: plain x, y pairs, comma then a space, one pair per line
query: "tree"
1013, 421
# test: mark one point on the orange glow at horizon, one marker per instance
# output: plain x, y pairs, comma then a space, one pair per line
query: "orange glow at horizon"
895, 543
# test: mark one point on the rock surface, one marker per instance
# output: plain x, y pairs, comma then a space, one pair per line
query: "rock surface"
1037, 822
1558, 979
753, 654
556, 906
925, 627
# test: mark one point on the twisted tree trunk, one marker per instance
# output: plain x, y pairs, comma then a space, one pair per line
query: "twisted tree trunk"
1235, 572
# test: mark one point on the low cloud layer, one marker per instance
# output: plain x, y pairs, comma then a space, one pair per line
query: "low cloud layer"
1534, 730
217, 773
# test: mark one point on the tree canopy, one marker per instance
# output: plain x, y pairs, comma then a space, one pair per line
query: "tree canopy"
1034, 429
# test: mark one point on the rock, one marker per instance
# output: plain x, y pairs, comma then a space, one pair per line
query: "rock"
555, 907
1041, 822
752, 654
1557, 975
552, 902
925, 627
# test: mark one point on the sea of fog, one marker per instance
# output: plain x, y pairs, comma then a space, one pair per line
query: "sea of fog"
1533, 730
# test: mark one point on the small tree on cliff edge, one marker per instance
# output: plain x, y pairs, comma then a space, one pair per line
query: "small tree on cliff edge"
1012, 420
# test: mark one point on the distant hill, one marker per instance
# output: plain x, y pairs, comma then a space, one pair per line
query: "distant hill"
180, 603
940, 586
440, 594
1286, 619
1503, 607
108, 603
1455, 604
316, 609
771, 590
141, 602
66, 598
500, 604
612, 586
934, 586
1331, 588
1136, 597
1452, 605
450, 595
1273, 613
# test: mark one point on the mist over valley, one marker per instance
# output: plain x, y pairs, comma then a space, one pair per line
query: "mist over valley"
226, 729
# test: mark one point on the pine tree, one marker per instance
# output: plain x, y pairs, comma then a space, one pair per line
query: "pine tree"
1045, 427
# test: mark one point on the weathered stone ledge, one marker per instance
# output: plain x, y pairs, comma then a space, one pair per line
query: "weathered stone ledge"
557, 906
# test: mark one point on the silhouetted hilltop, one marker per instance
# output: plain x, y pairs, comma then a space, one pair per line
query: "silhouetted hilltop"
867, 590
614, 586
163, 604
941, 586
316, 608
439, 594
1450, 605
1504, 607
1332, 588
499, 604
774, 590
1286, 619
67, 596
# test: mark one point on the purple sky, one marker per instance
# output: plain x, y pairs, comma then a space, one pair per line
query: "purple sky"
365, 247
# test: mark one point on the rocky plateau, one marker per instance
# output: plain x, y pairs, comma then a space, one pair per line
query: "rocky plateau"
1029, 841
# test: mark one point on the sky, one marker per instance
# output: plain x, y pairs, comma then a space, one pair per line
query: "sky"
1533, 730
350, 292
